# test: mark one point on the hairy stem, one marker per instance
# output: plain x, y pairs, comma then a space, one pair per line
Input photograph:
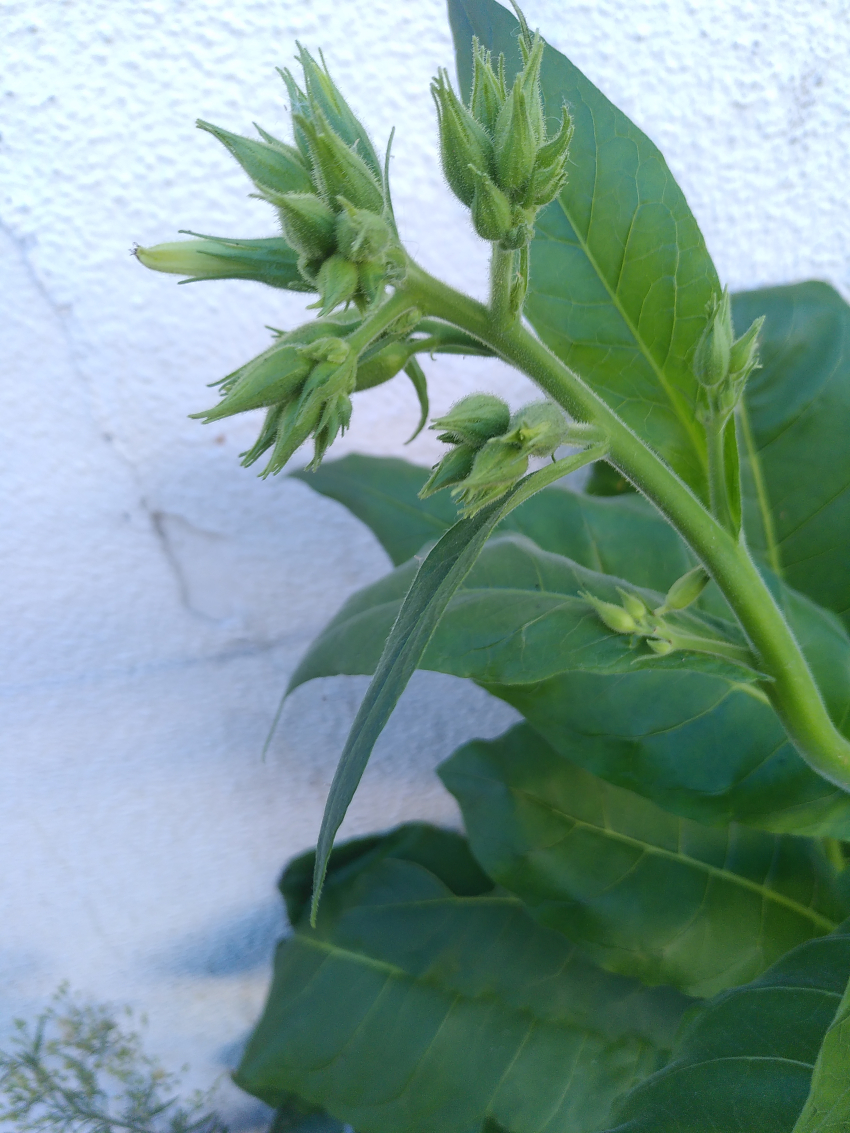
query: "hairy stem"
502, 265
715, 435
792, 690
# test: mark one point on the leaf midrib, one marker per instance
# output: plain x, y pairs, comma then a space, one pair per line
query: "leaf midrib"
685, 419
714, 871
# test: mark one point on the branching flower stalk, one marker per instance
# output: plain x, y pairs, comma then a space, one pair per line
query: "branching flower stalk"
340, 240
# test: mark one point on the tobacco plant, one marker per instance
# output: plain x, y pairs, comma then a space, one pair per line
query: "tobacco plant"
645, 926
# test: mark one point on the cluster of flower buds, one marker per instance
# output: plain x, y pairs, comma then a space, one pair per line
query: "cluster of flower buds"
497, 155
332, 200
305, 381
491, 448
635, 618
722, 363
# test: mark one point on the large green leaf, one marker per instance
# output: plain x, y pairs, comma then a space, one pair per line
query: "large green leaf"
410, 1009
797, 480
644, 893
519, 618
827, 1109
620, 275
744, 1062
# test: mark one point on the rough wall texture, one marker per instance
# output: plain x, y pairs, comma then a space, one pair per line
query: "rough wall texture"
155, 595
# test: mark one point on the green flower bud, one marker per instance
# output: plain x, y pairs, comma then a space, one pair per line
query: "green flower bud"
324, 96
550, 167
309, 224
309, 269
340, 324
338, 170
278, 167
538, 429
529, 77
474, 420
488, 89
521, 232
491, 209
744, 355
335, 419
713, 352
276, 375
294, 427
685, 590
360, 234
299, 107
498, 465
633, 604
555, 151
463, 141
452, 469
660, 646
371, 277
268, 261
326, 349
337, 282
614, 617
268, 434
383, 365
516, 144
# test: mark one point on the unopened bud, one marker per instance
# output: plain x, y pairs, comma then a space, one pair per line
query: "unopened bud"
324, 96
521, 232
633, 604
538, 429
491, 209
328, 348
496, 468
452, 469
463, 141
614, 617
516, 144
274, 376
268, 261
335, 419
530, 81
309, 224
384, 365
474, 420
268, 434
713, 352
660, 646
339, 170
371, 277
686, 590
277, 167
550, 167
488, 90
337, 282
360, 234
744, 356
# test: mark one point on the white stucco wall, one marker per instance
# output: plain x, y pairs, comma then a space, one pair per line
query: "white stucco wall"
154, 595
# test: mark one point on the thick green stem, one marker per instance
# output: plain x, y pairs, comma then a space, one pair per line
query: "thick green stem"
502, 270
715, 435
792, 690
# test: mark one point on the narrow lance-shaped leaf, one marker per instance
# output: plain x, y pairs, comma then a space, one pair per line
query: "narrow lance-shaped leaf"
439, 576
642, 892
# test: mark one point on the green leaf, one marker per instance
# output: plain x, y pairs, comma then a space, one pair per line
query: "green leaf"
744, 1062
518, 619
642, 892
797, 477
439, 576
827, 1109
383, 493
410, 1009
620, 275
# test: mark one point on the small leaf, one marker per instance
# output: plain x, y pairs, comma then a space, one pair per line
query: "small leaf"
642, 892
827, 1109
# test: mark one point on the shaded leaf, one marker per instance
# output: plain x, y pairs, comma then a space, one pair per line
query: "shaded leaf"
620, 275
744, 1062
642, 892
411, 1009
827, 1109
797, 478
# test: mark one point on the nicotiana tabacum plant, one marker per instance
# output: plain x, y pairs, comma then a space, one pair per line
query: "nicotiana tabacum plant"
645, 926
